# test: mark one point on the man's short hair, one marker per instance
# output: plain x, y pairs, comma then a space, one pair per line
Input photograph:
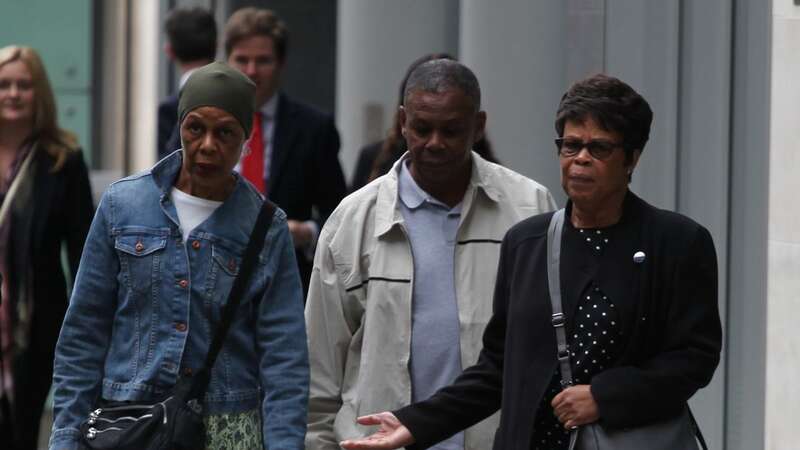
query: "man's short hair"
192, 34
615, 106
439, 75
248, 22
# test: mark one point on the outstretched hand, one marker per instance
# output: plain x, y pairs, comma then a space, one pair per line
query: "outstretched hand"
391, 434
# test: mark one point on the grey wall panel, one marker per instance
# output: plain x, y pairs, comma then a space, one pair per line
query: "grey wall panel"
585, 48
642, 42
747, 245
518, 55
703, 158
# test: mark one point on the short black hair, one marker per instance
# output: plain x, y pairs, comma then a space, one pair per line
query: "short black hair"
610, 102
192, 33
440, 74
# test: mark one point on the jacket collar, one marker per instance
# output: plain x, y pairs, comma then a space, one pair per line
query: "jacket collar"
166, 171
388, 214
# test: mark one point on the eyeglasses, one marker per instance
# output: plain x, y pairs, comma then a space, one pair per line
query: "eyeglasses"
599, 149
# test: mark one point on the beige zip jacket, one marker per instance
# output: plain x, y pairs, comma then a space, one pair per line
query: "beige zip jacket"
358, 311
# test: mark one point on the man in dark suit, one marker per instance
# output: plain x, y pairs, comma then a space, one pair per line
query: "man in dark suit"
191, 43
292, 155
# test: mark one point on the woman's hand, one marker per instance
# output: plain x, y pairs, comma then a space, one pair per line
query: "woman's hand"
391, 434
575, 406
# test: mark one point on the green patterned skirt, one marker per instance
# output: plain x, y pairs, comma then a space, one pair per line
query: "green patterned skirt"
239, 431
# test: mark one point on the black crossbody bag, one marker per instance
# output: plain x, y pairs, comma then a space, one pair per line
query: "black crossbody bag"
175, 423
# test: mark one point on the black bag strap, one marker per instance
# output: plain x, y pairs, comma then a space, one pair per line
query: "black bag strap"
254, 247
697, 432
558, 320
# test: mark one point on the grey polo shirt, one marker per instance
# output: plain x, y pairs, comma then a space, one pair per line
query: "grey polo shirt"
435, 359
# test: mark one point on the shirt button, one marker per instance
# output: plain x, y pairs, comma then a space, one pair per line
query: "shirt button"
196, 245
180, 326
183, 283
139, 247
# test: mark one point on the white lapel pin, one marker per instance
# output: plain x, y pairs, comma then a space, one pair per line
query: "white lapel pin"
638, 257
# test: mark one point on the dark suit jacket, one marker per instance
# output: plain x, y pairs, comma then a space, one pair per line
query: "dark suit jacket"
50, 209
305, 178
673, 324
168, 139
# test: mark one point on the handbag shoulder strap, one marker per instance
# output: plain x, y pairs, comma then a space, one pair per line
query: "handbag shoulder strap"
240, 283
558, 320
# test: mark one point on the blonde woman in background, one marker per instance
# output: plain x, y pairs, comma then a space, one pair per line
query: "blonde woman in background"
46, 203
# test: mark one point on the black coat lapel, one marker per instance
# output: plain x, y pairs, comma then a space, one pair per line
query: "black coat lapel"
42, 195
285, 132
621, 276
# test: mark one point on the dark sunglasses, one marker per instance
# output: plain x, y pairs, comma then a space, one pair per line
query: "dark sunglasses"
598, 149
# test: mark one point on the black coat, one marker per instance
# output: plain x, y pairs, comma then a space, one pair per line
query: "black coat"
306, 179
673, 323
305, 173
50, 209
168, 139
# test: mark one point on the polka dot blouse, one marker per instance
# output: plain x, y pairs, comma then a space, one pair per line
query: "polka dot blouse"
594, 344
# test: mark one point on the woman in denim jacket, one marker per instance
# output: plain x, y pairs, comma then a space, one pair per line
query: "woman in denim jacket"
160, 259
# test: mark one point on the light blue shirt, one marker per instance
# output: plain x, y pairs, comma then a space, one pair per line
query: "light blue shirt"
435, 341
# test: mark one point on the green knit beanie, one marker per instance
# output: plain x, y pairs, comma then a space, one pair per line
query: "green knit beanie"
223, 87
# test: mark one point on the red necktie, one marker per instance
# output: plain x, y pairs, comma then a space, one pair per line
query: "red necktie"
253, 162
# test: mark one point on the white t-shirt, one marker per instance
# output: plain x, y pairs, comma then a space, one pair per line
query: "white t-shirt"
192, 211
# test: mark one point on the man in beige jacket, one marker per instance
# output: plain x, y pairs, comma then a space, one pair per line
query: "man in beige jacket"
405, 267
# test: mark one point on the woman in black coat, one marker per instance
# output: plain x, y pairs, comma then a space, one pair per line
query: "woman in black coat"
639, 293
46, 205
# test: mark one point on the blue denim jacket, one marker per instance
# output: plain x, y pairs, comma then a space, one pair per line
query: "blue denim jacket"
145, 305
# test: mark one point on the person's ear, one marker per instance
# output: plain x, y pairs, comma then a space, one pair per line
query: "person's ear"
401, 119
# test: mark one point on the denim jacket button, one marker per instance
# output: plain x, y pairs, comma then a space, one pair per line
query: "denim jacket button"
232, 265
196, 245
139, 247
187, 371
180, 326
183, 283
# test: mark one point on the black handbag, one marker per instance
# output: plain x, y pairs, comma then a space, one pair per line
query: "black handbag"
677, 433
176, 422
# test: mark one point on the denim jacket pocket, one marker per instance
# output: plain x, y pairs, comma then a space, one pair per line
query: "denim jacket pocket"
227, 260
224, 269
140, 255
